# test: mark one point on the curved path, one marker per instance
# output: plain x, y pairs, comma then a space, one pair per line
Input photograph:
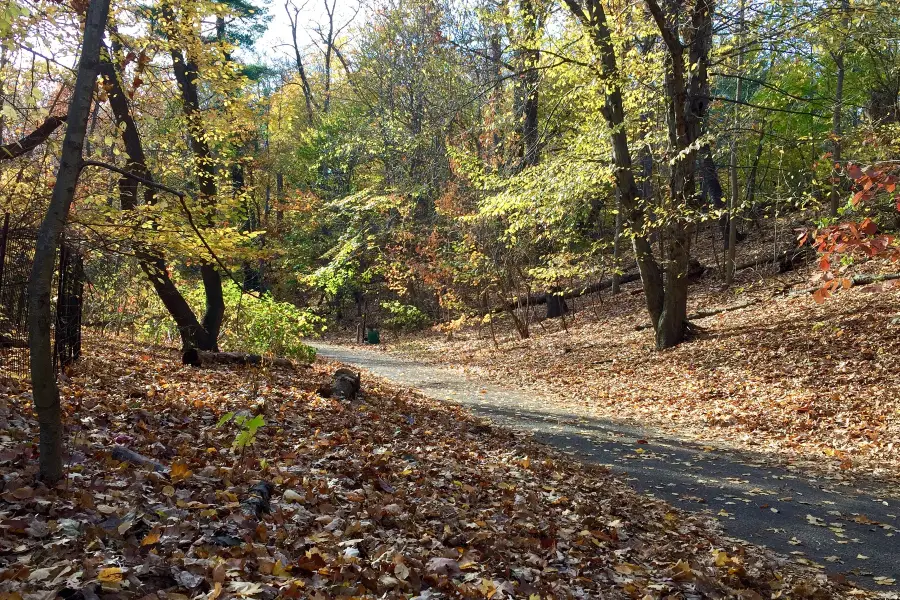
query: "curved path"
849, 531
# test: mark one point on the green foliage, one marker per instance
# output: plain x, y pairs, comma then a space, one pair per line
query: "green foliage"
403, 317
247, 428
257, 325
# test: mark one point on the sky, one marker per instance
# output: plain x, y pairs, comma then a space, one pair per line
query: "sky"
275, 44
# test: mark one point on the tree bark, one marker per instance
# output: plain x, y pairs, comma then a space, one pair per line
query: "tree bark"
186, 70
836, 114
530, 56
301, 70
593, 17
617, 247
687, 95
734, 198
44, 389
154, 266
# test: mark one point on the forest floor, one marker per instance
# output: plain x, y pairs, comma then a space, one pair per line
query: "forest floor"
392, 496
847, 531
808, 384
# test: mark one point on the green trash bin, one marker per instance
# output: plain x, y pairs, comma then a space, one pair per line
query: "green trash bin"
372, 336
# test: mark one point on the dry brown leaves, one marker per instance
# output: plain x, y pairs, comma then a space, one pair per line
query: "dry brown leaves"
392, 497
790, 379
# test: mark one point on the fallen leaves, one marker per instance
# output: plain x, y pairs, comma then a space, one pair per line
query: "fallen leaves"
396, 497
786, 377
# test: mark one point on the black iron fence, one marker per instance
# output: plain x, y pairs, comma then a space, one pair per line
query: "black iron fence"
16, 257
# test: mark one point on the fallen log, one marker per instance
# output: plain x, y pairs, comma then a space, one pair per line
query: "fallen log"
239, 358
855, 281
709, 312
541, 298
786, 260
123, 454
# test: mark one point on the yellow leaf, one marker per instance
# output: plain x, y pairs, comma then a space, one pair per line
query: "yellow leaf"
215, 592
279, 570
180, 471
721, 557
110, 575
168, 491
151, 538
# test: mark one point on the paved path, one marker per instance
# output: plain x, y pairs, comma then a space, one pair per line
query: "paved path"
847, 530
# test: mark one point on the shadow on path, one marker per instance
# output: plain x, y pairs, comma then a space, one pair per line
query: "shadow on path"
846, 530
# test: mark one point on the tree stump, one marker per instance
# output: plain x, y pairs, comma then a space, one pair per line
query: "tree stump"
345, 384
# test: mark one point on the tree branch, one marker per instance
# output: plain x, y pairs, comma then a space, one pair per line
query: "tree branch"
33, 139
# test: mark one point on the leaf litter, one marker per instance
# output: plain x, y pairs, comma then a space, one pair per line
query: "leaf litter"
392, 496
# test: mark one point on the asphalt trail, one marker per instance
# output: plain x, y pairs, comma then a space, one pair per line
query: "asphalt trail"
845, 529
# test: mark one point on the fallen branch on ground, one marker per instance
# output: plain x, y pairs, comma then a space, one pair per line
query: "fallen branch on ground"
239, 358
33, 139
8, 342
856, 281
123, 454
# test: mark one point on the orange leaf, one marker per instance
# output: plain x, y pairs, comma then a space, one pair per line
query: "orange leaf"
151, 538
180, 471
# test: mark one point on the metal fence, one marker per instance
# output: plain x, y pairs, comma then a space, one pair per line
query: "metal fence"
16, 257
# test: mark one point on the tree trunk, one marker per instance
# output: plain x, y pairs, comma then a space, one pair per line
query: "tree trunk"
154, 266
617, 247
528, 84
186, 73
734, 198
44, 389
556, 305
836, 114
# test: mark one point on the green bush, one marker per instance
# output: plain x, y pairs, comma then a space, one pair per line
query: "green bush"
403, 317
257, 325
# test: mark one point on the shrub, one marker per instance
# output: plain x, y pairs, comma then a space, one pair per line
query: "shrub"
403, 317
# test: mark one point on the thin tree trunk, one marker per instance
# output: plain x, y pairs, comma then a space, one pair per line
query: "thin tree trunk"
294, 20
44, 389
279, 198
734, 199
617, 247
836, 113
32, 140
186, 73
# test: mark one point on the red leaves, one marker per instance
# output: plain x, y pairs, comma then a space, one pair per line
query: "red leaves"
851, 238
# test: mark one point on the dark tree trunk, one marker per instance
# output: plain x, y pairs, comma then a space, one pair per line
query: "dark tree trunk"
712, 187
44, 390
154, 266
186, 73
687, 94
528, 84
556, 305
